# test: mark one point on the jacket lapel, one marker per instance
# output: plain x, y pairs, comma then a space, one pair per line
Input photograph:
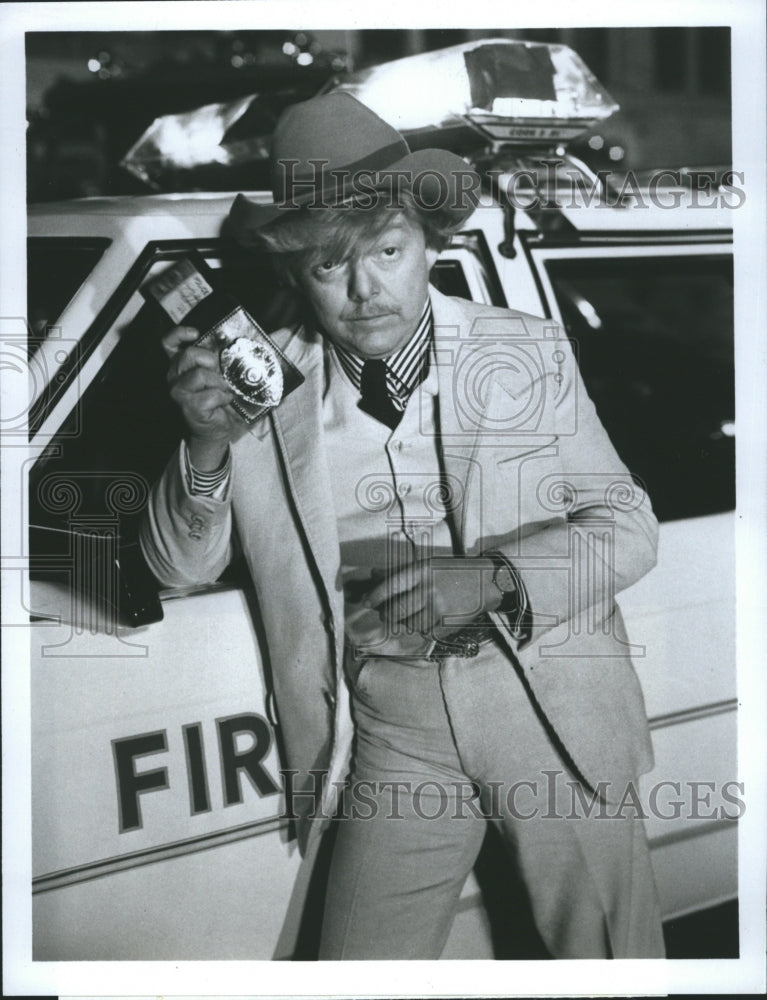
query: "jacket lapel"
299, 431
459, 431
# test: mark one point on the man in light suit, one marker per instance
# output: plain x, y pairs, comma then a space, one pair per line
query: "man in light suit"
436, 525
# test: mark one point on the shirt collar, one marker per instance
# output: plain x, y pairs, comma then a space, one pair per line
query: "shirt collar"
405, 369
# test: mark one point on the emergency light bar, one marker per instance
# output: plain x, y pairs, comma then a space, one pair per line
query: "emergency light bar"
490, 92
197, 138
508, 91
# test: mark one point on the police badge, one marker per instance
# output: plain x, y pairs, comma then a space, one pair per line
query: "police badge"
253, 366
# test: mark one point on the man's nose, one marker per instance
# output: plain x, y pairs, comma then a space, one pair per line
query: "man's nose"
363, 284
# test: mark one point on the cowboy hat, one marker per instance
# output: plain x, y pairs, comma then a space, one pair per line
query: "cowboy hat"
332, 148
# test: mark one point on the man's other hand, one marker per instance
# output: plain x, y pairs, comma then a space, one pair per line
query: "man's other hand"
433, 598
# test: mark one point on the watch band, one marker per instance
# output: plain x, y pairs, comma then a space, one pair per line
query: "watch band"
505, 579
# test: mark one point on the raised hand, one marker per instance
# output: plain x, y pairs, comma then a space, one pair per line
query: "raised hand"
200, 390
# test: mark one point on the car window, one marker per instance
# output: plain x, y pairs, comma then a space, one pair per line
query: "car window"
448, 277
91, 483
466, 270
125, 420
89, 488
56, 268
654, 338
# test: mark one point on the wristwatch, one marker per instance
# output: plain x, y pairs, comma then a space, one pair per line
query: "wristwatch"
467, 641
505, 579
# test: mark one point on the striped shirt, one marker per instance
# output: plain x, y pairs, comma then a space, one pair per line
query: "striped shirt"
207, 484
405, 369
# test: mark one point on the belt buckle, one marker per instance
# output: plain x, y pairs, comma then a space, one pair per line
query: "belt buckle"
443, 648
466, 642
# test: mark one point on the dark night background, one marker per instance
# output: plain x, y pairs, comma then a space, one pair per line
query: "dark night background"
90, 95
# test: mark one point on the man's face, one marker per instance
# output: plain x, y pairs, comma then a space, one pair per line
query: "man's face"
371, 302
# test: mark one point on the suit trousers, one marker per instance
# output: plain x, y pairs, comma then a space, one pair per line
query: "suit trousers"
443, 748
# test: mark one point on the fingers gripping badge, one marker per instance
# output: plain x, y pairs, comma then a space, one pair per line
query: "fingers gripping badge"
251, 363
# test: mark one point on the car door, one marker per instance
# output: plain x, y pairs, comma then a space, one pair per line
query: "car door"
651, 319
155, 745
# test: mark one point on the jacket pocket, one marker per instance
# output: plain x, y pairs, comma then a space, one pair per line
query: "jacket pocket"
542, 447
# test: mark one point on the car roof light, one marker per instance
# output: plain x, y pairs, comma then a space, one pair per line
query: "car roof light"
191, 139
509, 91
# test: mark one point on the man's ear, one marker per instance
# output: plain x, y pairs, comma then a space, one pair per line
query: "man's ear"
431, 257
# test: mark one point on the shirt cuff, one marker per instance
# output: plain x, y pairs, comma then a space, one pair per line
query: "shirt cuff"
207, 484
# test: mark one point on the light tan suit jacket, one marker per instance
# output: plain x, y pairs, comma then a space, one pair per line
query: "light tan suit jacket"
534, 474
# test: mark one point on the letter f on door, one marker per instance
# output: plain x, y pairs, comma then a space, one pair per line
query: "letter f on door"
130, 784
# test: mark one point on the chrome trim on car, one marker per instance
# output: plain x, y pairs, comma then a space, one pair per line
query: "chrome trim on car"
694, 714
151, 855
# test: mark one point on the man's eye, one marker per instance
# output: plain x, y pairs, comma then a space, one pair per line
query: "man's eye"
390, 251
326, 267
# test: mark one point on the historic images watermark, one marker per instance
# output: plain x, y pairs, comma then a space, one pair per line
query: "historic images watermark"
551, 795
550, 185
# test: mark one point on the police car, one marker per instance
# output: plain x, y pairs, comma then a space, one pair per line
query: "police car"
160, 827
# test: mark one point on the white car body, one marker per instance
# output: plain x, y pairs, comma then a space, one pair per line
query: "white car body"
227, 882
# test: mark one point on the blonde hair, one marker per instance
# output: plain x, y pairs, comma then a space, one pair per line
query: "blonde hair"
309, 236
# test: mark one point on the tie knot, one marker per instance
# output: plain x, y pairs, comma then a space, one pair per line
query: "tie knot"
374, 390
373, 380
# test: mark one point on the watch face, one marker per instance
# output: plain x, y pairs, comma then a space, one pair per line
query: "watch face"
504, 580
